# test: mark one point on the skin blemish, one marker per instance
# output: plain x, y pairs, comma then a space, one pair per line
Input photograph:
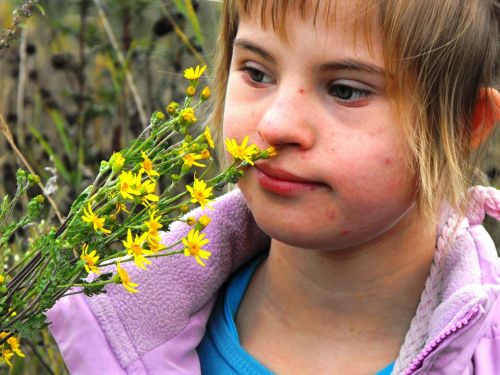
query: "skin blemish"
331, 215
387, 160
301, 91
345, 232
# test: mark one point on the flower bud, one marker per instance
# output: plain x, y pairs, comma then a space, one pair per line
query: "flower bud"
175, 177
21, 173
184, 208
205, 154
172, 108
191, 221
104, 166
205, 94
159, 116
40, 199
190, 91
117, 161
204, 220
33, 179
188, 139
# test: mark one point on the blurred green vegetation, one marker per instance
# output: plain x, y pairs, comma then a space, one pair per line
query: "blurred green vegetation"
80, 80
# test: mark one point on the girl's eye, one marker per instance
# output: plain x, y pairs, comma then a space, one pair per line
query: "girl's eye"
256, 76
347, 93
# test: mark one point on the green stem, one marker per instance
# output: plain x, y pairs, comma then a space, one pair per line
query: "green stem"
86, 285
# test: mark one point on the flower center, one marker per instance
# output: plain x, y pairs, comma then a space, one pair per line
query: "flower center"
193, 248
136, 249
89, 260
198, 195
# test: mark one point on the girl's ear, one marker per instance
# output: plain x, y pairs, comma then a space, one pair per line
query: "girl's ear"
486, 115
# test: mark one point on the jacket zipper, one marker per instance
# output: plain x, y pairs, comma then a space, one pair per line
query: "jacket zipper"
417, 362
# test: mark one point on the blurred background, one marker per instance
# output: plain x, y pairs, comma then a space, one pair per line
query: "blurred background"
80, 79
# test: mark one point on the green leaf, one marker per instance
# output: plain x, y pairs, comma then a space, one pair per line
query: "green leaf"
193, 19
48, 150
61, 126
40, 8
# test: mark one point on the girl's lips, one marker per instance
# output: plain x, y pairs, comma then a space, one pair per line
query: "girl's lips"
284, 183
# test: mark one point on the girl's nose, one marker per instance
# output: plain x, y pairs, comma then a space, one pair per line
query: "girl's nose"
286, 120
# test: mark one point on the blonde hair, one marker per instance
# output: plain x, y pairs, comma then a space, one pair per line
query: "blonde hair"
440, 54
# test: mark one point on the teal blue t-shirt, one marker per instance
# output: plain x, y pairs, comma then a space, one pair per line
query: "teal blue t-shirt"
220, 351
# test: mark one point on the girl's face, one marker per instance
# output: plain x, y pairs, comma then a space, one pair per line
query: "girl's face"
341, 177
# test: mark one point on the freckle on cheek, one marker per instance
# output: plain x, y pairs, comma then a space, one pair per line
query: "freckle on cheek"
345, 232
331, 215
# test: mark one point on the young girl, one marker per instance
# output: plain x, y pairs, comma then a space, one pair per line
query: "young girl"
367, 254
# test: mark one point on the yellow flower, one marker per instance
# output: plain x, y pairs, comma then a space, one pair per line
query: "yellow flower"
90, 217
90, 260
135, 249
241, 152
127, 181
189, 160
194, 74
188, 115
205, 94
171, 108
190, 91
147, 189
119, 207
204, 220
154, 243
153, 224
117, 159
200, 193
14, 347
208, 137
147, 166
6, 354
193, 243
271, 151
205, 154
125, 279
2, 279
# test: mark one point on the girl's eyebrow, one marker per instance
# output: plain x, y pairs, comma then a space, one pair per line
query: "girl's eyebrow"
336, 65
246, 44
353, 65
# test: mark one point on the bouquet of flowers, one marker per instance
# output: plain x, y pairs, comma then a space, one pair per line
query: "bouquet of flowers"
116, 219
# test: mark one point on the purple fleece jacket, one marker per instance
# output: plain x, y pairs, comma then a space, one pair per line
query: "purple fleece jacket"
455, 331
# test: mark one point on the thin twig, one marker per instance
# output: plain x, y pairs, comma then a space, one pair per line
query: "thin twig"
20, 86
33, 349
6, 131
128, 74
186, 41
